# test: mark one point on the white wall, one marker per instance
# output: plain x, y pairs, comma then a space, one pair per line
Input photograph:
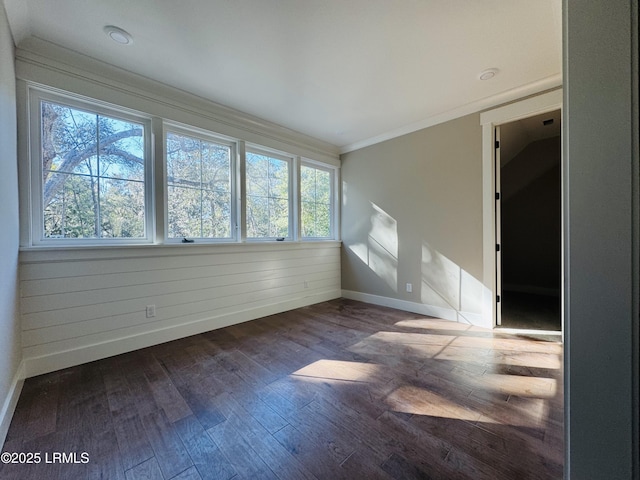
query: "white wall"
82, 304
9, 322
601, 164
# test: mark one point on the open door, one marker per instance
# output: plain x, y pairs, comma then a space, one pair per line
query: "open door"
528, 223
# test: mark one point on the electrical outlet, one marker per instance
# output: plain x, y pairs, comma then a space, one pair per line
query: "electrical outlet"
151, 311
409, 287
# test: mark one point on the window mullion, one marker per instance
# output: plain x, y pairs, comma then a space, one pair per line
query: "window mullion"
241, 195
295, 202
201, 189
98, 220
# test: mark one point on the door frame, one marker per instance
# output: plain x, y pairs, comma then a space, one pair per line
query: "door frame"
489, 120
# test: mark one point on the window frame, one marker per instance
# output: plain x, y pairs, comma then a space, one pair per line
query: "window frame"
155, 130
333, 203
211, 137
36, 96
291, 170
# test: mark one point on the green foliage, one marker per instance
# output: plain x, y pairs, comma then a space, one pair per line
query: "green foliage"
94, 172
93, 175
315, 192
199, 188
267, 196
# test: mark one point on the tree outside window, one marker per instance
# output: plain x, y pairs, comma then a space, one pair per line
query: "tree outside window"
199, 196
268, 196
315, 193
93, 174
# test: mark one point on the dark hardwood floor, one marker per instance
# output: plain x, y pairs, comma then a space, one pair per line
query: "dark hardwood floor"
339, 390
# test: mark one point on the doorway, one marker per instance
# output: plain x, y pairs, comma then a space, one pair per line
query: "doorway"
528, 223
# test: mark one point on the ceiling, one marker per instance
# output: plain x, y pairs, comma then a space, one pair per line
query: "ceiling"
349, 72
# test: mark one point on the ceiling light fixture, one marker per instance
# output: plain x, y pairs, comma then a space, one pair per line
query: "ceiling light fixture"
488, 74
118, 35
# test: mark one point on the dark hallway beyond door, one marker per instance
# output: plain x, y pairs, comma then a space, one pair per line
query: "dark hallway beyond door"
530, 223
531, 311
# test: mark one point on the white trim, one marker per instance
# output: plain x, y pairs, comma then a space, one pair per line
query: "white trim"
79, 254
528, 107
290, 160
50, 64
59, 360
11, 401
36, 95
421, 308
211, 138
333, 173
533, 88
525, 108
297, 199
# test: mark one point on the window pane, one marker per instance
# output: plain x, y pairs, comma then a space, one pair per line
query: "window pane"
323, 221
122, 211
308, 215
267, 196
121, 151
91, 149
184, 212
307, 184
323, 187
183, 160
72, 211
216, 167
257, 175
199, 188
216, 215
257, 216
315, 191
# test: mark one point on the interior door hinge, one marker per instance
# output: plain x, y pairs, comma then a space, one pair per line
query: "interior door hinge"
497, 247
497, 195
497, 144
497, 298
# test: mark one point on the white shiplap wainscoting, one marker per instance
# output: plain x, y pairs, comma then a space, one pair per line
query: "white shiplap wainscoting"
80, 305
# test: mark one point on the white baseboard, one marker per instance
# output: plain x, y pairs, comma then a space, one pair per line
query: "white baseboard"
10, 402
88, 353
414, 307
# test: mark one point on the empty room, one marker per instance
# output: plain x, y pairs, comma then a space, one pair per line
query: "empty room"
299, 239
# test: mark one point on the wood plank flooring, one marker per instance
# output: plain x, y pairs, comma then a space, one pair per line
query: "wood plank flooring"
338, 390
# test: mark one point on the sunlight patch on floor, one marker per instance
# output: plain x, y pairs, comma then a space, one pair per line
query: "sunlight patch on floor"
521, 386
419, 401
341, 370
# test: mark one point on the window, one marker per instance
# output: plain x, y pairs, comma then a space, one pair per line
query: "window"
92, 168
199, 187
94, 174
316, 194
268, 195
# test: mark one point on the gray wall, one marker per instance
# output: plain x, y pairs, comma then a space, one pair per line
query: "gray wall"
412, 213
601, 239
9, 327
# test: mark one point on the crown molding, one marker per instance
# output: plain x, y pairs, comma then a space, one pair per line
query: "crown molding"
38, 58
548, 83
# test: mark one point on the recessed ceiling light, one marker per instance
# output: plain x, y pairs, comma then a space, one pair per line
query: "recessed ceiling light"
488, 74
118, 35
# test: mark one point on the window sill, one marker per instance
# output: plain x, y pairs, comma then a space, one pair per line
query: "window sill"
85, 252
